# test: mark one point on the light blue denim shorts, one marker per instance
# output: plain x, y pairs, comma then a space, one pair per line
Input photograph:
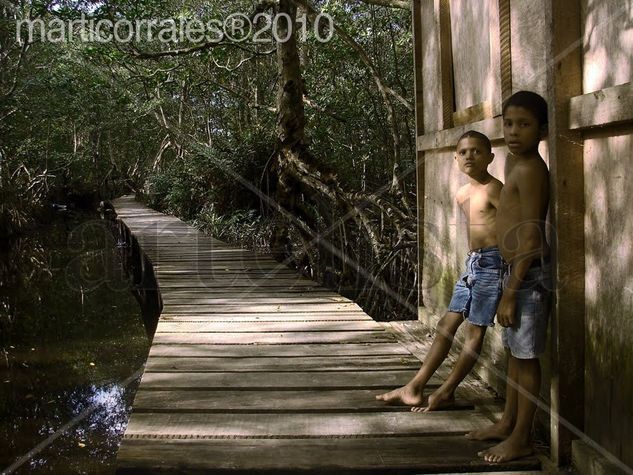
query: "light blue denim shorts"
478, 290
527, 338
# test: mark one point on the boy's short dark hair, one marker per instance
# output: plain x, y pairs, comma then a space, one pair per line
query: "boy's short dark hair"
476, 135
528, 100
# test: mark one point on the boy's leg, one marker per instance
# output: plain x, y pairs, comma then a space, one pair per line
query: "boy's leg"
518, 443
502, 429
412, 393
444, 396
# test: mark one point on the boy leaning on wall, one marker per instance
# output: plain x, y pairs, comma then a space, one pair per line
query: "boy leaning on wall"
523, 310
476, 293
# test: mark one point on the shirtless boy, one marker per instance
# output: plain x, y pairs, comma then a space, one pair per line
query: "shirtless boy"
477, 291
524, 307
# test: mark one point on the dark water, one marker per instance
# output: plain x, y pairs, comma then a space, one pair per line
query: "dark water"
71, 344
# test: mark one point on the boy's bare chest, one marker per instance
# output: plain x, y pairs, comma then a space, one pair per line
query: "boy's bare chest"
509, 202
477, 204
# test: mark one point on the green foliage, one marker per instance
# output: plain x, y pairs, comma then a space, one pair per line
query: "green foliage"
195, 132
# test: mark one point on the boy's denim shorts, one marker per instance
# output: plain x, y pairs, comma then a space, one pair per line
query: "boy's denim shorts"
526, 339
478, 290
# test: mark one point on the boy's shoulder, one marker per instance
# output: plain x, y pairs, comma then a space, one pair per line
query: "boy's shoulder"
463, 193
532, 169
495, 184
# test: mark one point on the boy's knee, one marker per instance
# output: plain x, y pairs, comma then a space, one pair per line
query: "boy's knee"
475, 334
450, 322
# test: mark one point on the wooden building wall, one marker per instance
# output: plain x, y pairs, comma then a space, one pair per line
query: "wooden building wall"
470, 55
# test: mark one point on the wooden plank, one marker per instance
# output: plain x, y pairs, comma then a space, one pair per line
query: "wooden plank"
265, 317
279, 364
306, 401
229, 273
493, 128
281, 380
238, 262
284, 338
239, 300
272, 286
446, 63
264, 327
184, 425
402, 455
567, 212
331, 308
609, 106
475, 113
246, 294
350, 349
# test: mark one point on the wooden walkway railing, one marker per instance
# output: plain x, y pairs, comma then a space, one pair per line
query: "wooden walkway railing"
256, 369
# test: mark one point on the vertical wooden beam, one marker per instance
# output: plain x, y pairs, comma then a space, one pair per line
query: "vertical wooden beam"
505, 49
446, 64
564, 81
496, 97
419, 130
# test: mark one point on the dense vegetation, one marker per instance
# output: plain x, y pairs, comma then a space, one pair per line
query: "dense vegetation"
302, 147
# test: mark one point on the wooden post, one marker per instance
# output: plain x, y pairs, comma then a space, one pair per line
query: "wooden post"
505, 49
564, 80
419, 130
446, 64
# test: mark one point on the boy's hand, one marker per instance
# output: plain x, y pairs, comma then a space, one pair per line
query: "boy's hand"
506, 309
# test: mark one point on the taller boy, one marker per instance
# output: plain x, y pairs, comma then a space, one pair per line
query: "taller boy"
524, 307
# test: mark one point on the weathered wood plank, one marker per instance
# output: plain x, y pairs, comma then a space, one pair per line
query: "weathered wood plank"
306, 401
402, 455
277, 364
263, 327
610, 106
250, 338
245, 293
276, 300
304, 425
264, 317
493, 128
244, 351
265, 308
298, 380
270, 285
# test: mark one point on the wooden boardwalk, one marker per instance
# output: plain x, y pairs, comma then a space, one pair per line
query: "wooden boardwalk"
255, 369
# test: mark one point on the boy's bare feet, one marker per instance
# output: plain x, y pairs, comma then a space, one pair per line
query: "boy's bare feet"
405, 395
436, 402
509, 449
498, 431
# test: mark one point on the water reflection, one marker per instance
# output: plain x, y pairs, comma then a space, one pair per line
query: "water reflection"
71, 334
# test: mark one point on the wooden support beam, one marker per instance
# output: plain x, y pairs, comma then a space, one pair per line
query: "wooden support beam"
610, 106
492, 128
418, 59
446, 63
564, 81
505, 49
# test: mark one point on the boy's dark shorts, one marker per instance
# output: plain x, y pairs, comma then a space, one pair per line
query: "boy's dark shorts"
526, 339
478, 290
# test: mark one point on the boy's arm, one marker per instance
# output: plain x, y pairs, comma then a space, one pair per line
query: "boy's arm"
494, 192
532, 195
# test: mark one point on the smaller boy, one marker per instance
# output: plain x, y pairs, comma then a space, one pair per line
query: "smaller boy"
524, 307
477, 291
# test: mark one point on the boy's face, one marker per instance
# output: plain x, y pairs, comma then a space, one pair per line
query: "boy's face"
521, 130
472, 156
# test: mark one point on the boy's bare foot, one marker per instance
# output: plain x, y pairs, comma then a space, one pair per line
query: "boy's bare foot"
405, 395
509, 449
436, 402
498, 431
